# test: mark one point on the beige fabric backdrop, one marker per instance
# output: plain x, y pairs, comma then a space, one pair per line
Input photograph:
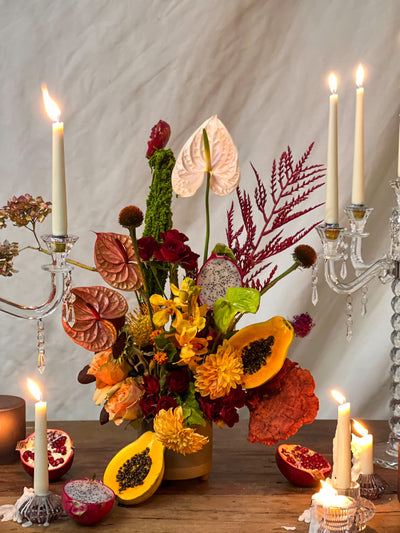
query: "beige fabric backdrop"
116, 67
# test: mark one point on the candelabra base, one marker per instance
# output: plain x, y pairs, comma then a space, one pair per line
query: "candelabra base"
38, 509
385, 456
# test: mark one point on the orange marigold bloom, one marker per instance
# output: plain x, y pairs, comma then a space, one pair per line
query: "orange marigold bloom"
155, 334
160, 358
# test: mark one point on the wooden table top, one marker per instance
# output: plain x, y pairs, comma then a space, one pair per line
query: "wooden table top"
245, 491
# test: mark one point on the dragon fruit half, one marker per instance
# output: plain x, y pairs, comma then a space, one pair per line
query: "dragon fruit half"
215, 277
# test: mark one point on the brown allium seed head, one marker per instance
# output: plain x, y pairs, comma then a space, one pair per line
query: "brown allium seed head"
131, 216
305, 255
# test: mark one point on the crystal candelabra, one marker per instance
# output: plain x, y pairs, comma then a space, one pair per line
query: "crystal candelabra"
335, 252
60, 285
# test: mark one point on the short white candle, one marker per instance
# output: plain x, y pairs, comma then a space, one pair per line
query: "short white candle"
341, 471
331, 204
41, 468
59, 198
363, 449
357, 196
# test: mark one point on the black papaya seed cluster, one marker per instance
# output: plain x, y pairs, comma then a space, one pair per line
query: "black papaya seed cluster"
256, 354
134, 471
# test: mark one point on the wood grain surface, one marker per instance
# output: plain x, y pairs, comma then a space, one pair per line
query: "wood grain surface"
245, 491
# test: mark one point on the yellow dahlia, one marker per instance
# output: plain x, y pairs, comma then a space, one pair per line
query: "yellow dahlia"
168, 426
220, 372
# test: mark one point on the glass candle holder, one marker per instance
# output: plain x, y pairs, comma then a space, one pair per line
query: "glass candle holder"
339, 517
12, 427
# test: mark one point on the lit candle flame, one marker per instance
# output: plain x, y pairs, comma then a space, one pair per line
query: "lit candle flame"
359, 428
50, 105
360, 75
338, 397
333, 83
34, 390
327, 489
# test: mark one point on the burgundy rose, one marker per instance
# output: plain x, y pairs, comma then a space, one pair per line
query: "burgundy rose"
174, 234
165, 402
230, 416
211, 408
172, 249
190, 262
151, 384
159, 137
235, 398
146, 246
178, 381
148, 404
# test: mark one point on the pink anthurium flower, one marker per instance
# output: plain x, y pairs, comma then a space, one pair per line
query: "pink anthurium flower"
191, 165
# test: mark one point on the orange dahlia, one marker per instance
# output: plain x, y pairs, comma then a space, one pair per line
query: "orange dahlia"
168, 426
220, 372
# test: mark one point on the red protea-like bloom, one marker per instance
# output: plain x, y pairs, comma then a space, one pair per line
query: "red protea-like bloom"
159, 137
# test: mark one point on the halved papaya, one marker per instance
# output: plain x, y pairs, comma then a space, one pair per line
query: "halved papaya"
263, 348
136, 471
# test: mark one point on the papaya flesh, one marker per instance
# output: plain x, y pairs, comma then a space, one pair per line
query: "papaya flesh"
136, 471
263, 348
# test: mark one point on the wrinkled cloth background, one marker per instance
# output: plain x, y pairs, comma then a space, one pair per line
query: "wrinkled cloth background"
118, 66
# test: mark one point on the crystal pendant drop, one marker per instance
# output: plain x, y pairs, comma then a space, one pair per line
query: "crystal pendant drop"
68, 300
364, 300
343, 270
41, 364
314, 283
349, 317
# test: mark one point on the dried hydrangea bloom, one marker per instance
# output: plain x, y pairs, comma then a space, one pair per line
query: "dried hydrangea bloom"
3, 218
168, 426
7, 252
191, 166
25, 209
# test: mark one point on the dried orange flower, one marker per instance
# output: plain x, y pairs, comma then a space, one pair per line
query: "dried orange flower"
155, 334
168, 426
160, 358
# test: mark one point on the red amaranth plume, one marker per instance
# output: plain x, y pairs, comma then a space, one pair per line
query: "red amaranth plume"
291, 185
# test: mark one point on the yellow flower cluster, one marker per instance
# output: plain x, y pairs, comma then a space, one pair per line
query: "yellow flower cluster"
168, 426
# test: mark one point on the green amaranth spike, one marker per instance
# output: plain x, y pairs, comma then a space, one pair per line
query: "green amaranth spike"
158, 217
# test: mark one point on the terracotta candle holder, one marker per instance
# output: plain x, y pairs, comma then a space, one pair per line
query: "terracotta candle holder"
12, 427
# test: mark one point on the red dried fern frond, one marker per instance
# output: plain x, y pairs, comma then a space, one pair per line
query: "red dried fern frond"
290, 187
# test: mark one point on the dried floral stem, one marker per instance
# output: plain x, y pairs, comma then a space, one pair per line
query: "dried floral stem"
208, 178
274, 281
132, 232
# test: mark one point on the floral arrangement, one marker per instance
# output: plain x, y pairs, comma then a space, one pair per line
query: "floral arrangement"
173, 361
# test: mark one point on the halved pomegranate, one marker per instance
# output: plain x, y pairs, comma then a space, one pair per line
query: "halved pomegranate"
87, 501
59, 450
300, 465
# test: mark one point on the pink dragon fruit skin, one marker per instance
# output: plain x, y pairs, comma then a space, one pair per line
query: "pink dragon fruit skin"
215, 277
87, 501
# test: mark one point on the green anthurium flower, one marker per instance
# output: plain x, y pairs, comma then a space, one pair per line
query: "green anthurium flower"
237, 300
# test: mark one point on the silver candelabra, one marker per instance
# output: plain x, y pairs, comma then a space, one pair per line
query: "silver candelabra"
336, 251
60, 285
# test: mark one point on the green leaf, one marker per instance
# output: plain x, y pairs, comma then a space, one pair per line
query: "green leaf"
237, 300
192, 413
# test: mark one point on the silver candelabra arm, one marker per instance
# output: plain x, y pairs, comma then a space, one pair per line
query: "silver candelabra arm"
332, 238
60, 273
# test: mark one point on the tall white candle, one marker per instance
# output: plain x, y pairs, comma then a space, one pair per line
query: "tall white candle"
357, 196
398, 161
363, 449
341, 471
59, 198
41, 469
331, 204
